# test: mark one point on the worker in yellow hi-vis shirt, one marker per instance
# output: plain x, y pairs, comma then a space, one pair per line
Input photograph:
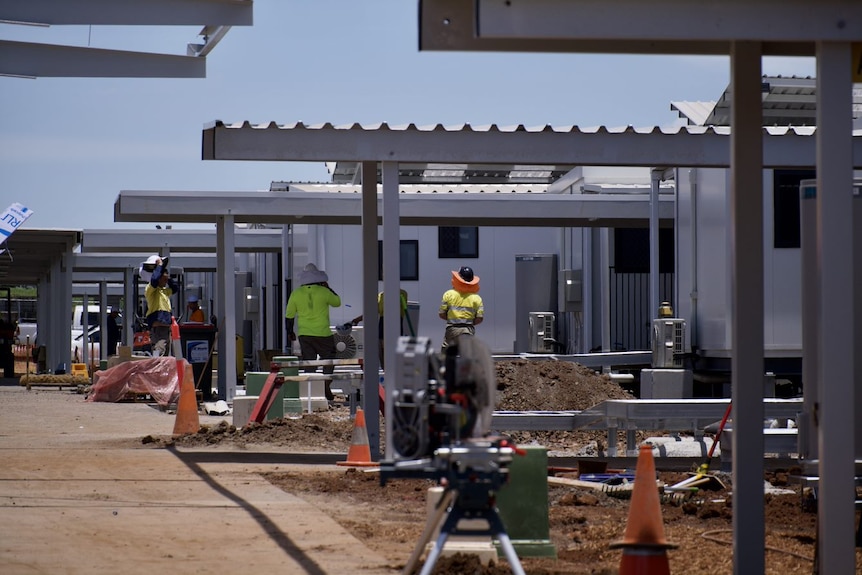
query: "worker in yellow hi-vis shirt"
309, 305
461, 307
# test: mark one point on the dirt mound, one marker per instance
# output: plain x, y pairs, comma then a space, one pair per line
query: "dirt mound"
521, 386
524, 385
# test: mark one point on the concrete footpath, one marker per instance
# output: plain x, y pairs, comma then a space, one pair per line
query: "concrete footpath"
81, 494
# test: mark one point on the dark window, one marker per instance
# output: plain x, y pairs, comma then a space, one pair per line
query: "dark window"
458, 242
631, 250
409, 260
786, 222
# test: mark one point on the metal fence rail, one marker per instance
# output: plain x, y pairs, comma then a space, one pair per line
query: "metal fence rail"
632, 415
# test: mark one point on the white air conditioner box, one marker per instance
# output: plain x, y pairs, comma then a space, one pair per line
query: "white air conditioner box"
542, 324
349, 345
668, 342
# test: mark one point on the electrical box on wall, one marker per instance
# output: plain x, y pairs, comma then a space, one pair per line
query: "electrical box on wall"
251, 301
572, 289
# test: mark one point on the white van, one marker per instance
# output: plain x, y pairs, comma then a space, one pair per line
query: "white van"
94, 320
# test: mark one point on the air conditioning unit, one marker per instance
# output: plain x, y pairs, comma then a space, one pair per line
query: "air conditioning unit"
668, 342
349, 345
542, 324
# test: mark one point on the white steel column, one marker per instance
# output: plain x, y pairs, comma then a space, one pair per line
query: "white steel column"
693, 295
587, 283
225, 248
857, 318
103, 321
808, 427
85, 329
370, 333
605, 295
130, 306
655, 182
836, 511
287, 282
746, 228
392, 267
60, 334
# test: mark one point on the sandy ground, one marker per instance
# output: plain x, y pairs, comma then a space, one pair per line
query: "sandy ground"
81, 494
101, 487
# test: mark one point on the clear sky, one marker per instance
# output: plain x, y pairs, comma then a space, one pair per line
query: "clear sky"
69, 145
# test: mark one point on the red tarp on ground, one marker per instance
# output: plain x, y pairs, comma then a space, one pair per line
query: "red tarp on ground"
155, 376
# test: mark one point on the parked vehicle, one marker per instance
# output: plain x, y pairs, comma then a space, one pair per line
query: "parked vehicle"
25, 329
93, 349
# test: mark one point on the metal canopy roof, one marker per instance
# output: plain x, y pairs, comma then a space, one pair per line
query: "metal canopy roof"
746, 30
29, 254
656, 27
31, 60
689, 146
155, 241
421, 173
789, 101
297, 207
108, 262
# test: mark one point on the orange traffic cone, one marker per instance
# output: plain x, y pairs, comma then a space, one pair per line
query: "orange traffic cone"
644, 545
359, 454
188, 420
176, 343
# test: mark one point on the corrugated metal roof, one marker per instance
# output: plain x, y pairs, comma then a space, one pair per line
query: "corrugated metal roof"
787, 101
693, 146
467, 127
696, 113
443, 188
421, 173
455, 188
719, 129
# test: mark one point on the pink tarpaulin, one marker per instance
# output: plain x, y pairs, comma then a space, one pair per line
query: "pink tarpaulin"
155, 376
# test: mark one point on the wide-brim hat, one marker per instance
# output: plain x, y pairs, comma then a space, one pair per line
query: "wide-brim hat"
467, 286
312, 275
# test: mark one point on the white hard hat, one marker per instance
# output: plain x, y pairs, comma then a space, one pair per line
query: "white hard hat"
147, 268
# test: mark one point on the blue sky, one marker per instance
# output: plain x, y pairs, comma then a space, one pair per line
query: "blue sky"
69, 145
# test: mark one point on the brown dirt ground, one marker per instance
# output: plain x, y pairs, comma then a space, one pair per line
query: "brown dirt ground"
390, 519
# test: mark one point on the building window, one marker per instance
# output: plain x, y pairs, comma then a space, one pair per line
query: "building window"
786, 221
458, 242
409, 260
631, 250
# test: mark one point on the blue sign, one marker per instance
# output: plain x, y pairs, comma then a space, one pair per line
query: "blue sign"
197, 351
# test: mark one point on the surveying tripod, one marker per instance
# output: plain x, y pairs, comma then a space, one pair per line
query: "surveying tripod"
470, 494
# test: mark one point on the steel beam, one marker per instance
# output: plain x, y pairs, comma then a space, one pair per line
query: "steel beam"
594, 26
690, 23
689, 146
148, 241
32, 60
113, 262
532, 210
128, 12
